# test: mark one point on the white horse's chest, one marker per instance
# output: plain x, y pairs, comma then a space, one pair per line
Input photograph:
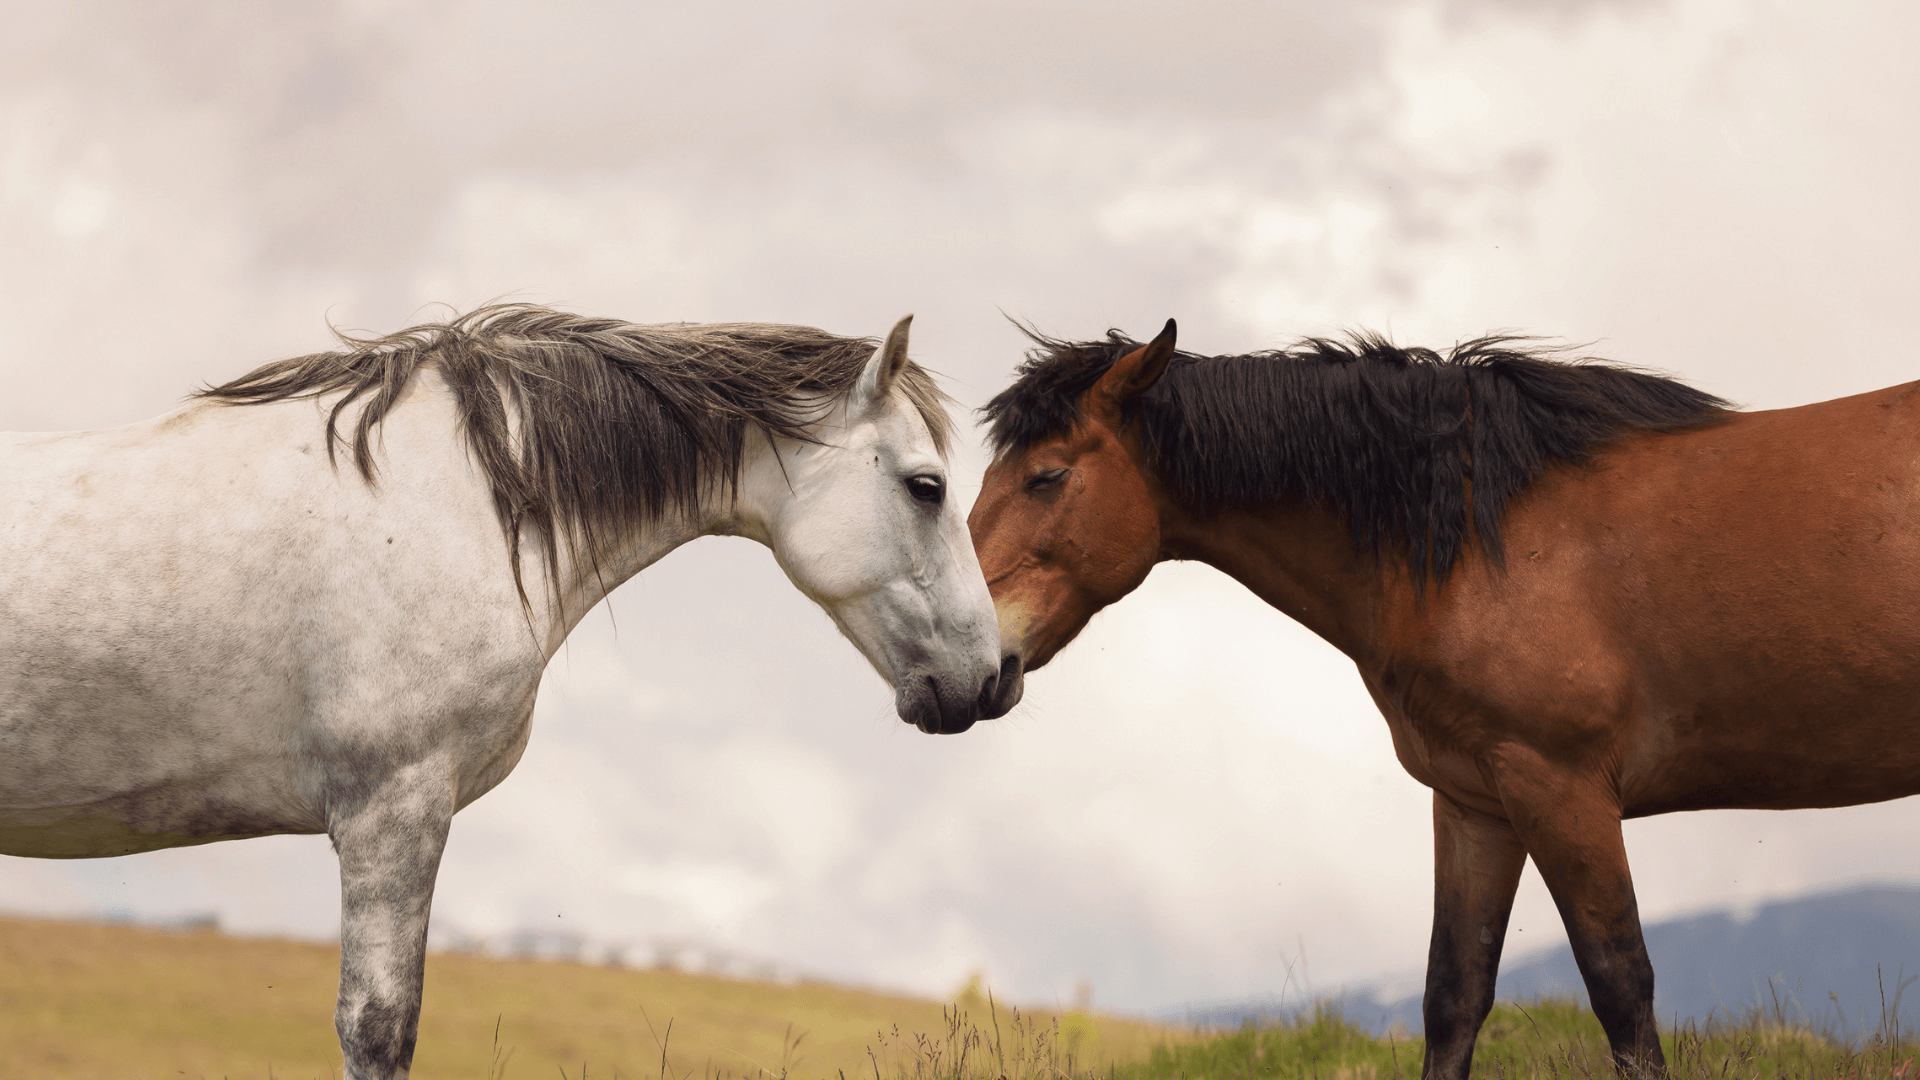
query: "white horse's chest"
217, 636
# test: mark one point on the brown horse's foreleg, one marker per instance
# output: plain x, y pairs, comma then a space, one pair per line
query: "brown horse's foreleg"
1476, 868
1571, 826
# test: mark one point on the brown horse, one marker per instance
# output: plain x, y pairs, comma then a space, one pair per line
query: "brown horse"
1577, 592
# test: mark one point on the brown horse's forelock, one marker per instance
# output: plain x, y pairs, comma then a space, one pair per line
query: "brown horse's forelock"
1414, 449
589, 428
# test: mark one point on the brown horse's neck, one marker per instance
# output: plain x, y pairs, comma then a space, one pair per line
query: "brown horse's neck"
1298, 557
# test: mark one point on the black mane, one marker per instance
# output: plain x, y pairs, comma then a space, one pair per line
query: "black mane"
1404, 444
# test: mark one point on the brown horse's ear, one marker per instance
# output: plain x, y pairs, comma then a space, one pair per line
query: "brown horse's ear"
1135, 373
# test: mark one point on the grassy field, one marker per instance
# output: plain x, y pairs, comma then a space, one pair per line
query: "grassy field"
85, 1001
1548, 1040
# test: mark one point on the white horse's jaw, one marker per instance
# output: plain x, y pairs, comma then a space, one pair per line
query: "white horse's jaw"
931, 636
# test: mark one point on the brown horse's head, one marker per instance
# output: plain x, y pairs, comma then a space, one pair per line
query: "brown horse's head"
1069, 522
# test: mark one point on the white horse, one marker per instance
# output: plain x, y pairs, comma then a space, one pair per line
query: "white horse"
210, 630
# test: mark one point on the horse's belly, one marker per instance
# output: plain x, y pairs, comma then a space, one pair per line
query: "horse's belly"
141, 821
1760, 787
102, 760
1853, 750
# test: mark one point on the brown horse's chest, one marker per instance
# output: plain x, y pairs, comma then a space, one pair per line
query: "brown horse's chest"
1436, 744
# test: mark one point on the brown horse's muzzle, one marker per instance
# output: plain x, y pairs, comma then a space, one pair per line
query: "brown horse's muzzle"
1011, 681
1007, 688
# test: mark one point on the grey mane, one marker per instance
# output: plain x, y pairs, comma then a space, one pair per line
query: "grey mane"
613, 424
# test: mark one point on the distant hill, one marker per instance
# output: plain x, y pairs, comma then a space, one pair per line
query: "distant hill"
1827, 957
1819, 959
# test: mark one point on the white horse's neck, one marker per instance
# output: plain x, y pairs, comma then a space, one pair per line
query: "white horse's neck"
749, 510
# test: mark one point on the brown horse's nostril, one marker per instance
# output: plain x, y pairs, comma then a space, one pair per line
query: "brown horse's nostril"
1002, 692
987, 689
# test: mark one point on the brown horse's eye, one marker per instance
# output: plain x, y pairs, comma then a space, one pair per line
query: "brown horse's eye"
927, 489
1041, 481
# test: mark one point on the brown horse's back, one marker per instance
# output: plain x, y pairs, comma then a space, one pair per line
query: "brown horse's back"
1728, 616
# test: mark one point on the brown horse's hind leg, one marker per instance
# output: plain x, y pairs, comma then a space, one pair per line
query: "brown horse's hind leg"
1476, 868
1571, 826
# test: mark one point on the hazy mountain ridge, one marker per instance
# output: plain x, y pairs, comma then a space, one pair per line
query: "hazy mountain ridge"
1822, 959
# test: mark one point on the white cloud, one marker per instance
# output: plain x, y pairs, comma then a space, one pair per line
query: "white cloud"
710, 893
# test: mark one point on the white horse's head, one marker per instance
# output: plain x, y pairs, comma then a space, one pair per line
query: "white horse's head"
862, 522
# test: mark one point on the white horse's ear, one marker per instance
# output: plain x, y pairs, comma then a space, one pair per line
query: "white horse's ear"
876, 381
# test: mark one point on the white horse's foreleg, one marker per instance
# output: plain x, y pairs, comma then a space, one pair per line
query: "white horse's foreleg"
389, 848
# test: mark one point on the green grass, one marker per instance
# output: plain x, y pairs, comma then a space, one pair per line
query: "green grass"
1546, 1039
1551, 1040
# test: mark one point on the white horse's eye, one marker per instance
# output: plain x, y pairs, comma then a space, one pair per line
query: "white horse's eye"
927, 489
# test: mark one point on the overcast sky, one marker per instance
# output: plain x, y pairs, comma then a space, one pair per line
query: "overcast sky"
1196, 792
